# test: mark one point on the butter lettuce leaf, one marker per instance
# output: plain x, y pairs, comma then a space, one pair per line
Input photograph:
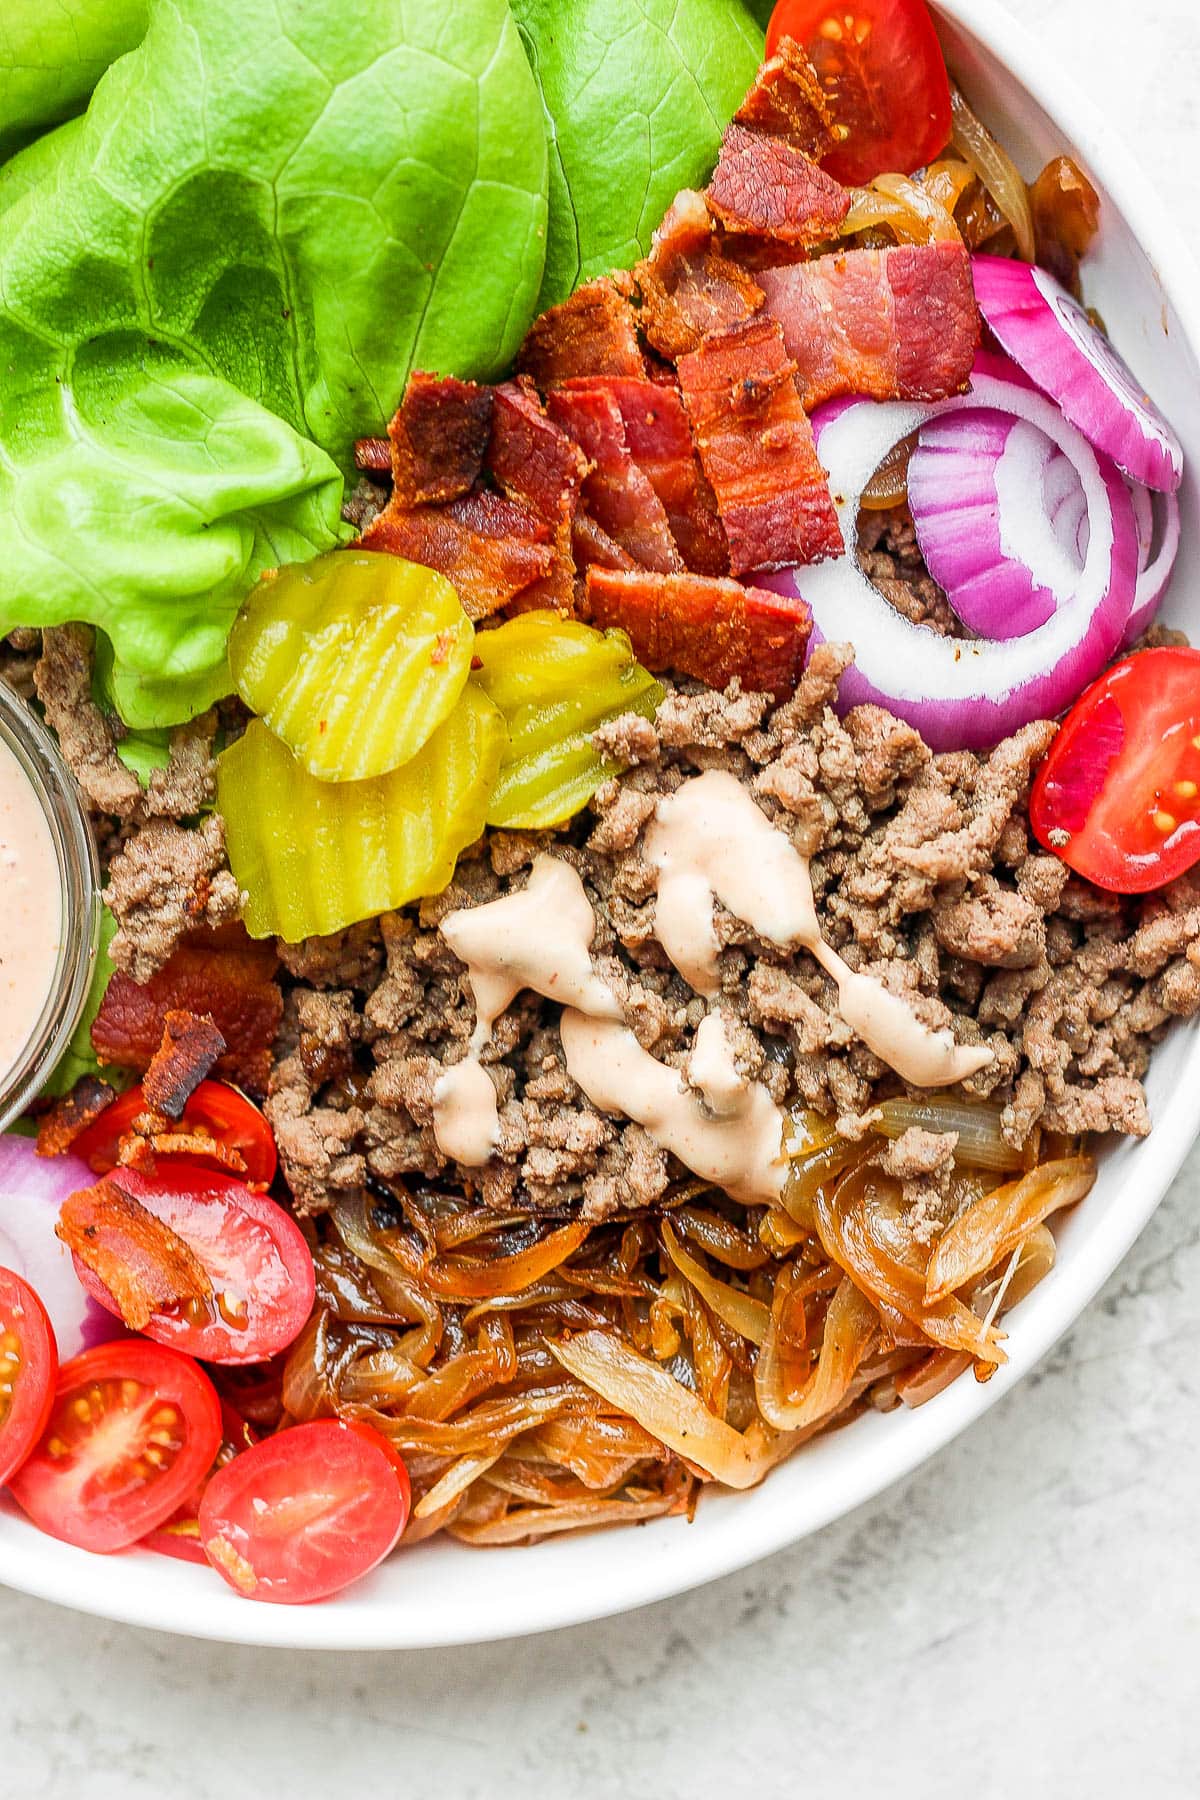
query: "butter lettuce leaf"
219, 276
52, 54
637, 94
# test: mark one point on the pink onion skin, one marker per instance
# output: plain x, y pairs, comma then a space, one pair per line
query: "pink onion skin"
966, 693
1051, 338
971, 550
32, 1188
1153, 575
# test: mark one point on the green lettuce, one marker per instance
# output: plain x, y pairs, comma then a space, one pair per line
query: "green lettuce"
79, 1058
52, 54
637, 94
218, 276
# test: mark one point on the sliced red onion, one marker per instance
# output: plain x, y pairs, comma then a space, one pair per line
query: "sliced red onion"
1154, 566
967, 693
1049, 335
1000, 516
32, 1188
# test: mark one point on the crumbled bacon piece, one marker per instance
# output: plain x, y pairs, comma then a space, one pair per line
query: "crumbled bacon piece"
145, 1266
756, 446
660, 442
896, 324
535, 462
490, 547
687, 288
788, 101
439, 437
592, 333
373, 455
70, 1116
710, 628
140, 1149
591, 544
764, 184
189, 1048
618, 494
222, 973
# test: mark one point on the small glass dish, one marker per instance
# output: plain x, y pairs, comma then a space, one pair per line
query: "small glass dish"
79, 874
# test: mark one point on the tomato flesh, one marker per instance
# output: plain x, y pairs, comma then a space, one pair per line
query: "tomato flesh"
179, 1536
1118, 796
306, 1512
132, 1429
216, 1111
882, 69
254, 1253
28, 1366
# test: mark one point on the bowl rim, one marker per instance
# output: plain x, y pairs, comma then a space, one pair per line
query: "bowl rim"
360, 1621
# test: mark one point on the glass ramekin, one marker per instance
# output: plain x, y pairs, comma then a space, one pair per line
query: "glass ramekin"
79, 875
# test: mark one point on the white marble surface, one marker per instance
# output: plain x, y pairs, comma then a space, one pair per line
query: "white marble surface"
1020, 1618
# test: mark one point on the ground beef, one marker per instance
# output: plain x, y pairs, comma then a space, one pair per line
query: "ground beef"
165, 881
166, 875
925, 876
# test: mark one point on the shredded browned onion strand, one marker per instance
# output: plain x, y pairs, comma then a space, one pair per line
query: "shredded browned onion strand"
542, 1377
997, 172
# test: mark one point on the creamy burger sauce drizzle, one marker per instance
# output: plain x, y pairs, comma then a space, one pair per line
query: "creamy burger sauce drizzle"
31, 910
708, 841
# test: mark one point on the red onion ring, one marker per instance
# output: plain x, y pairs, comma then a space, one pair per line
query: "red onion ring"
967, 694
1048, 334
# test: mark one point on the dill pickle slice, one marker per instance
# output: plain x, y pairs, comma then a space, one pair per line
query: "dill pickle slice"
354, 659
315, 856
555, 680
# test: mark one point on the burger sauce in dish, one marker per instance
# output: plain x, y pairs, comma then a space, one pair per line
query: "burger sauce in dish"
31, 910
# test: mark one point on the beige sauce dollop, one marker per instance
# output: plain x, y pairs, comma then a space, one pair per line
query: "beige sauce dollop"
708, 841
31, 910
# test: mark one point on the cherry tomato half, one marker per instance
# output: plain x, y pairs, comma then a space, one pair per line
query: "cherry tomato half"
28, 1366
132, 1430
179, 1536
881, 65
215, 1111
306, 1512
1118, 796
254, 1253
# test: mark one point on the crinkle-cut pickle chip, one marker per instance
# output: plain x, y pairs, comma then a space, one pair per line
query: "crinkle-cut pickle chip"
555, 681
354, 659
316, 856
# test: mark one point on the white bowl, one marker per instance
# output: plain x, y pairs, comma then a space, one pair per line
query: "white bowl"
441, 1593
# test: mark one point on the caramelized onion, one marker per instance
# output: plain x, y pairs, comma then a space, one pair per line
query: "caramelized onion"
745, 1315
996, 170
860, 1221
975, 1122
851, 1326
888, 486
913, 213
994, 1226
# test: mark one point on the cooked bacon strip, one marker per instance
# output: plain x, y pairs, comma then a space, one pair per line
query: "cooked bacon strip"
439, 437
373, 455
141, 1149
536, 462
756, 446
590, 543
710, 628
222, 973
687, 288
490, 547
660, 442
618, 495
764, 184
68, 1117
592, 333
145, 1266
788, 101
190, 1046
897, 324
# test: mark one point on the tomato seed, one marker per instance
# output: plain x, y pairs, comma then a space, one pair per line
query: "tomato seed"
1165, 822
